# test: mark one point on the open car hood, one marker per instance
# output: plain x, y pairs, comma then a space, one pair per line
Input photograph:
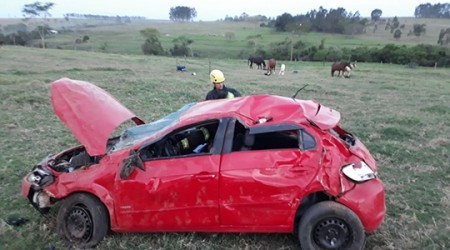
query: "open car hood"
89, 112
322, 116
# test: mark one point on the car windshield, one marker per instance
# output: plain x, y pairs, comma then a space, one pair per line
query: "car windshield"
135, 134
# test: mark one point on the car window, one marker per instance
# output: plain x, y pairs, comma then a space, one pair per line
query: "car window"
244, 140
137, 133
189, 140
275, 140
308, 140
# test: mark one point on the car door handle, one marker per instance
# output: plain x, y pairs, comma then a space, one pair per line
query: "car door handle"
204, 176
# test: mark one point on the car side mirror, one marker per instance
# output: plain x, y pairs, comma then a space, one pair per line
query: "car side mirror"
129, 163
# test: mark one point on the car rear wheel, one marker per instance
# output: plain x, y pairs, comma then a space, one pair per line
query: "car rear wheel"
82, 220
330, 225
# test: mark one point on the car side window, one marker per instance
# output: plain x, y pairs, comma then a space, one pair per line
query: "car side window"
243, 140
190, 140
308, 140
276, 140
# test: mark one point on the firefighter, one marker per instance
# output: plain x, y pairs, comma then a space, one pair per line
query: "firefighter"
219, 90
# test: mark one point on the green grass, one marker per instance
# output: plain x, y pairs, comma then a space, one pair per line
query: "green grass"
209, 39
401, 114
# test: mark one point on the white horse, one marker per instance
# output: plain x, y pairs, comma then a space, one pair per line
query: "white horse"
282, 69
348, 69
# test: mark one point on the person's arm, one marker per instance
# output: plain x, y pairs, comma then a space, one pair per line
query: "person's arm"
235, 93
209, 96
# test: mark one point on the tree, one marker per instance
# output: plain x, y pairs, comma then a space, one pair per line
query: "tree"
41, 10
397, 34
182, 14
444, 37
283, 21
375, 15
419, 29
16, 34
181, 46
395, 24
152, 45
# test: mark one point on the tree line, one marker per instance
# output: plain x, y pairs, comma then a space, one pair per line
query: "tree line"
433, 11
126, 19
322, 20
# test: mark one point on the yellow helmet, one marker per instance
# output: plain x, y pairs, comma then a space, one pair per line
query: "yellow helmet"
216, 76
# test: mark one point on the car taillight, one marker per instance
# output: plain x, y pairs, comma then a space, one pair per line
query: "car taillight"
358, 172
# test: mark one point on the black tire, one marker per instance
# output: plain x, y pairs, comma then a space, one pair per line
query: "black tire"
82, 220
330, 225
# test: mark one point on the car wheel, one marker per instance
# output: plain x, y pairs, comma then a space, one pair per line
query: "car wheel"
83, 220
330, 225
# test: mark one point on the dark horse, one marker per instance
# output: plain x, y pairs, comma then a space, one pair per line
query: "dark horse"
344, 67
258, 60
271, 66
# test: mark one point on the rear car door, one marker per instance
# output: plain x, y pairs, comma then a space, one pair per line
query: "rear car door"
259, 183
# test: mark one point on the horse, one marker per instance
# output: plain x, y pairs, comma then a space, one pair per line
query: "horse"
282, 69
258, 60
344, 67
271, 66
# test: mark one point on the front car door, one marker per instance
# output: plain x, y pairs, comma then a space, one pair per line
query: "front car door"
174, 193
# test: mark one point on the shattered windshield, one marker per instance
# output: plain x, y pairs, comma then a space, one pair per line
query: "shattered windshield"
135, 134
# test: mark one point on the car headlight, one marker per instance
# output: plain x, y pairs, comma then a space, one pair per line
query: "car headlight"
358, 172
40, 178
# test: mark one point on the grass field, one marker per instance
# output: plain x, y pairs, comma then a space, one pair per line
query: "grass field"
401, 114
209, 39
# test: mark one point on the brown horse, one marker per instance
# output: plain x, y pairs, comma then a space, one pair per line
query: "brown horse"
258, 60
271, 64
344, 67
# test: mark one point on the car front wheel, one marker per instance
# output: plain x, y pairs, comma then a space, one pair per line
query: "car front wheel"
83, 220
330, 225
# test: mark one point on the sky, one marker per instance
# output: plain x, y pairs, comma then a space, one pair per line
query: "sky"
208, 10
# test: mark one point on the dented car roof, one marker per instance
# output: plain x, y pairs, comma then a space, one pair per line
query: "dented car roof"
280, 109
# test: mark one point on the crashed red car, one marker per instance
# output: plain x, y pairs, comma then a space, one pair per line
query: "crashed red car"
259, 163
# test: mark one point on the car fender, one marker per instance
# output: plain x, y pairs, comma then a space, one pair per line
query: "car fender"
101, 193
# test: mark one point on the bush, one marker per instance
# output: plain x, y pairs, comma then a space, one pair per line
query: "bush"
152, 46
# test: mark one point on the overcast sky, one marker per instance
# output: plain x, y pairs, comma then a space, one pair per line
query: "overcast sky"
208, 10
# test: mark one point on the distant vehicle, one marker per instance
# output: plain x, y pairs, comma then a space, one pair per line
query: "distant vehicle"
259, 163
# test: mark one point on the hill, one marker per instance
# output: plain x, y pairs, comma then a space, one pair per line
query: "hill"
209, 38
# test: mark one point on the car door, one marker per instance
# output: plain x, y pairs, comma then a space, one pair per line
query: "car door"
178, 193
259, 187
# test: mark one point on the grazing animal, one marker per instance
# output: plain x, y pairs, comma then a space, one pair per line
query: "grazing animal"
344, 67
271, 65
258, 60
282, 69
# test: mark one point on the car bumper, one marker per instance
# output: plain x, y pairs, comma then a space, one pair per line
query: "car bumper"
40, 199
367, 200
26, 186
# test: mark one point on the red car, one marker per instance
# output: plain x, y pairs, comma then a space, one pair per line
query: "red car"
259, 163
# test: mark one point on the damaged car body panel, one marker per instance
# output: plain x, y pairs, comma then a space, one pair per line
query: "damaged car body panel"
89, 112
259, 163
